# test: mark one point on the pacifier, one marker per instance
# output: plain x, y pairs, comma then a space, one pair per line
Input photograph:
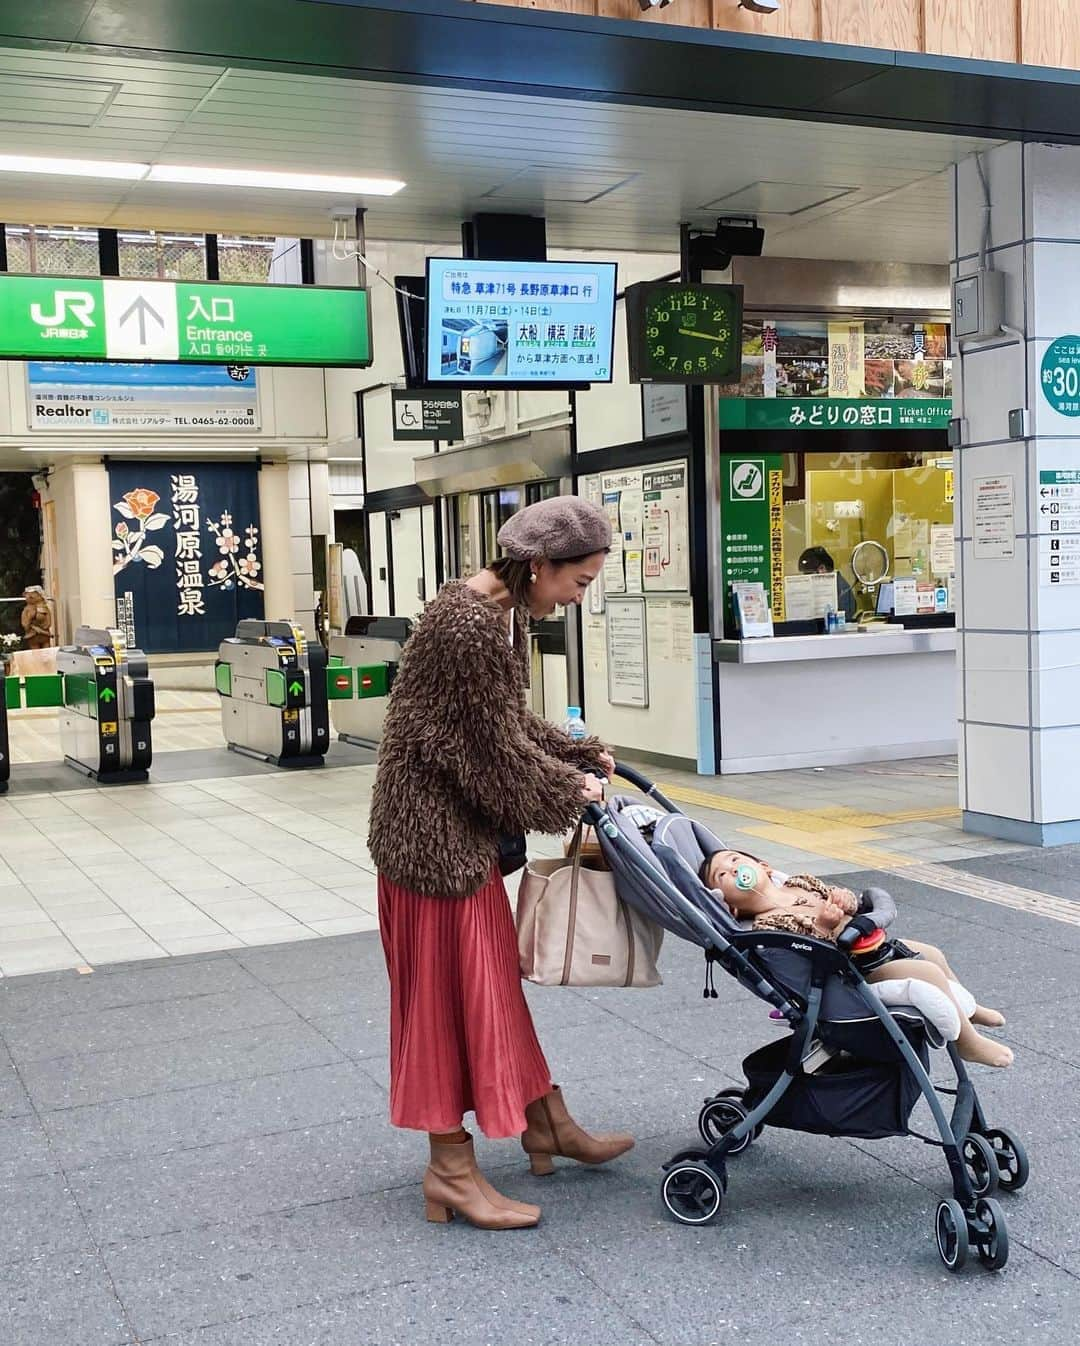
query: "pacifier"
746, 877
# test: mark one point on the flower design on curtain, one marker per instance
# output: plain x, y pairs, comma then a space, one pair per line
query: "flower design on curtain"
129, 544
235, 569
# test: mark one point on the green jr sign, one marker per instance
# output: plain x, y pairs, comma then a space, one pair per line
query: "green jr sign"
71, 318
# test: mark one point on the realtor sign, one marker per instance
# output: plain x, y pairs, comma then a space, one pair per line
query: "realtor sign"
70, 318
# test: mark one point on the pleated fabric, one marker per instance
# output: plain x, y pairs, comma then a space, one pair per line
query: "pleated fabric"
461, 1035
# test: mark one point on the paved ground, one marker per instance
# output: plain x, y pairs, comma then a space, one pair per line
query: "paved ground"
196, 1150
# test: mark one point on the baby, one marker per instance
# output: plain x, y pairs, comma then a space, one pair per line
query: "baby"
804, 905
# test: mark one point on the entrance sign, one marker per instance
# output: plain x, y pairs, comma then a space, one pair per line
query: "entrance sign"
1060, 379
65, 395
70, 318
427, 414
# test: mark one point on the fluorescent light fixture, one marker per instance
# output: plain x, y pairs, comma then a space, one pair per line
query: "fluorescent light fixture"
204, 177
294, 182
71, 168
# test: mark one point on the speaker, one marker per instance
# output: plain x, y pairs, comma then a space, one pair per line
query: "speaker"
505, 238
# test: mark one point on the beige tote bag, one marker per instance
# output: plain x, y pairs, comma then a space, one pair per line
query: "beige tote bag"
574, 929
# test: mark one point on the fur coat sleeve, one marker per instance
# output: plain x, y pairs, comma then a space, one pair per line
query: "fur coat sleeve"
584, 753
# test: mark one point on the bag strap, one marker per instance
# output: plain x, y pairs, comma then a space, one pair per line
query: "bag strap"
571, 923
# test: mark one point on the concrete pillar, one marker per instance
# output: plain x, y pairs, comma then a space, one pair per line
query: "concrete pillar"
82, 514
1019, 628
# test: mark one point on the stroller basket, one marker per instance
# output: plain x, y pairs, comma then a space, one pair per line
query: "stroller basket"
846, 1097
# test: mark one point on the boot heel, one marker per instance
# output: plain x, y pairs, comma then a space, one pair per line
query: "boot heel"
542, 1165
437, 1213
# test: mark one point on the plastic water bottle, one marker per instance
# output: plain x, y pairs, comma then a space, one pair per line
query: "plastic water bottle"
830, 619
574, 725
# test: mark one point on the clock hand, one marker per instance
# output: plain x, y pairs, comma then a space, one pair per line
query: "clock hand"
703, 336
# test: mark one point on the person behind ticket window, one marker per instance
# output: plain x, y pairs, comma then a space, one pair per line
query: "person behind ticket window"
817, 561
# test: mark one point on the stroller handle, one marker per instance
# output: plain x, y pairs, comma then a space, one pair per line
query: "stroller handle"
646, 786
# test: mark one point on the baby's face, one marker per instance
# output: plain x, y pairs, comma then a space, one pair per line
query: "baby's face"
725, 863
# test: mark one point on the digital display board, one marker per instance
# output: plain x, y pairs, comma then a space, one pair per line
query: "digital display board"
499, 324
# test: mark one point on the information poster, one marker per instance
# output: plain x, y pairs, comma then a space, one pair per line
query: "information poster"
942, 549
993, 525
1059, 511
666, 529
627, 653
96, 397
751, 527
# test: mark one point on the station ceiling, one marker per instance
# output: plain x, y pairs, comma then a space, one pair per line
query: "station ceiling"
606, 174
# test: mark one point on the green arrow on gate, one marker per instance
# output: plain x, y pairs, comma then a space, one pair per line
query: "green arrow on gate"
107, 694
296, 688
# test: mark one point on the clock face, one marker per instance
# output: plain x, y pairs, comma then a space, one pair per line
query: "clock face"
690, 333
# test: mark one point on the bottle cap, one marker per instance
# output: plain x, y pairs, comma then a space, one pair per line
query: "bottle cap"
573, 710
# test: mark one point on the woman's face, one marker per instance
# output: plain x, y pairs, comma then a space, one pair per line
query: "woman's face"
562, 583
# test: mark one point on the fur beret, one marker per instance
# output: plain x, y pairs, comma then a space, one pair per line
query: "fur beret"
555, 530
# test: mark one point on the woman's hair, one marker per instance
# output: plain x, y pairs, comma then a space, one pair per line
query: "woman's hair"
517, 575
813, 557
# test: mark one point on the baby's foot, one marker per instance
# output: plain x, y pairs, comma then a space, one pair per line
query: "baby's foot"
984, 1052
988, 1018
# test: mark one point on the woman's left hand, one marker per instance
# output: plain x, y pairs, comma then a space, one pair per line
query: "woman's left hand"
607, 763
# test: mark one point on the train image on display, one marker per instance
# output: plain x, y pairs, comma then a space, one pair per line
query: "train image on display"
470, 347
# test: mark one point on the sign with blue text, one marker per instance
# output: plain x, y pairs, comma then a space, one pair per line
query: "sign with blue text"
65, 395
187, 552
1060, 375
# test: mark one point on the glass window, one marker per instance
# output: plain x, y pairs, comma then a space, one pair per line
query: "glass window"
52, 250
162, 256
900, 504
541, 490
245, 259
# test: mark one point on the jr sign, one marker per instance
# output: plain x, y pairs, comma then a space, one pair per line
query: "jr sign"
69, 318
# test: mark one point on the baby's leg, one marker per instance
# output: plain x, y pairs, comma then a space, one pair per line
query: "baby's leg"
987, 1018
972, 1046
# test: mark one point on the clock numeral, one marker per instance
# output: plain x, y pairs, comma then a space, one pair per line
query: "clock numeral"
653, 332
688, 366
663, 317
660, 350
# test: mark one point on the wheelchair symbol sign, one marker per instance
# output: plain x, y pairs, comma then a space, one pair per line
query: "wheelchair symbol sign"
409, 415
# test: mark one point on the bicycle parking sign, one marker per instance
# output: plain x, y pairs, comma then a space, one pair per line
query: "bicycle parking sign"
1060, 380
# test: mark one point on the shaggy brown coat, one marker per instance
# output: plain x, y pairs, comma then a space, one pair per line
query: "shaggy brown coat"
462, 757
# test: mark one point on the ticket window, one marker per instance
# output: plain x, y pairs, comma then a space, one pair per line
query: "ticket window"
902, 501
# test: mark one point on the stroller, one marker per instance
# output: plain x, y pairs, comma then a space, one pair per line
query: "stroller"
852, 1065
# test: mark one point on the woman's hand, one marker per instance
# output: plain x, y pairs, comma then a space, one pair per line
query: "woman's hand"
593, 789
607, 762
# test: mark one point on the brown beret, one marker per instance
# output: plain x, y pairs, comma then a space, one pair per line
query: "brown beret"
555, 530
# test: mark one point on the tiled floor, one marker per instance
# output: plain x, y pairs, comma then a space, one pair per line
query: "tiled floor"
92, 876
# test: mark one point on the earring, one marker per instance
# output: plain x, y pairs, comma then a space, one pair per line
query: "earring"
532, 577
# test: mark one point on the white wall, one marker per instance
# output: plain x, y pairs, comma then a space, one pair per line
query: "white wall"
80, 493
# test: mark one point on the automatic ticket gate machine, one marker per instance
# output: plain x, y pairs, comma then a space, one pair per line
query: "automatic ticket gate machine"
371, 645
9, 700
273, 687
108, 706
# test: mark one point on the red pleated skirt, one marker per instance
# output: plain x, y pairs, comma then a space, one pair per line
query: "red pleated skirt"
461, 1035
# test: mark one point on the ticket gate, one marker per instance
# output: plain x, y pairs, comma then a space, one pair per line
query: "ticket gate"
274, 703
107, 707
9, 691
373, 645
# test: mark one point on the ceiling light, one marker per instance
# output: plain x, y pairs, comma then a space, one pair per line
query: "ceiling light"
71, 168
296, 182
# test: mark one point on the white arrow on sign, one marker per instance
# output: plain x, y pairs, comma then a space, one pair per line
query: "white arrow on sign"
141, 321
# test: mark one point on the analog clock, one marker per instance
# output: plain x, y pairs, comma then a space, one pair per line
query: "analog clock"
684, 332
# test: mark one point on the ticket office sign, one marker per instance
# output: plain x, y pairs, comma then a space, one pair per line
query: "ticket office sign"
75, 318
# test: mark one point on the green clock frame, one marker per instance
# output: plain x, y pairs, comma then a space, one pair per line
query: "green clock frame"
684, 332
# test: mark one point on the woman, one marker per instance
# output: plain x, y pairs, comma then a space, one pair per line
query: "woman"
462, 761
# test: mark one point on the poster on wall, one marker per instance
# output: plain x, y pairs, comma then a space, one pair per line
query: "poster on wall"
627, 653
844, 374
187, 552
64, 395
666, 529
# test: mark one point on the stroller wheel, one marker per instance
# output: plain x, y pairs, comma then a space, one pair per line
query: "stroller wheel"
951, 1232
717, 1118
692, 1193
981, 1162
1013, 1167
990, 1234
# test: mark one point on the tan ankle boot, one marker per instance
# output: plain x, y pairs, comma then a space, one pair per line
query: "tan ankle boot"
453, 1183
551, 1130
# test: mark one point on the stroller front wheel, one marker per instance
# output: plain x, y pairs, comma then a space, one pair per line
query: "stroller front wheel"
720, 1115
951, 1232
981, 1163
990, 1234
692, 1193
